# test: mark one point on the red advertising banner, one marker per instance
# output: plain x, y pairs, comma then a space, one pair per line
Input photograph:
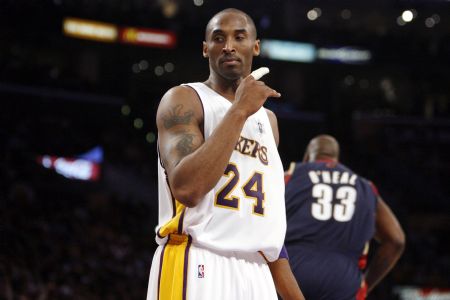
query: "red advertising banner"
148, 37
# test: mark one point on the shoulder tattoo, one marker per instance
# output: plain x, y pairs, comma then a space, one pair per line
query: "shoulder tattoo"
176, 117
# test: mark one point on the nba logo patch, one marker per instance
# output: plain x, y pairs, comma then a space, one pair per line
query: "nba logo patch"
201, 271
260, 127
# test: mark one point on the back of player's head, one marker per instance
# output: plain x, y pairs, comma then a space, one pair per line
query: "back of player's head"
322, 146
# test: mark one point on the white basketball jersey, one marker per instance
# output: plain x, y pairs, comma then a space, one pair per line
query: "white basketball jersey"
245, 211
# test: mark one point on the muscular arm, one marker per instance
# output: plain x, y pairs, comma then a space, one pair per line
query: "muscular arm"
392, 242
284, 280
194, 165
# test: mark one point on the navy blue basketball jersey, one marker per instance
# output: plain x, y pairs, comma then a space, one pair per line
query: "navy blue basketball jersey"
330, 217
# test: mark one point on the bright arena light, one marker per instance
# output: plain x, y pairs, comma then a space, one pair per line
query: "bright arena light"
312, 15
407, 16
198, 2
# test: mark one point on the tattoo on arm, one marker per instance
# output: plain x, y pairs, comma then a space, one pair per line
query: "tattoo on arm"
175, 117
185, 144
183, 147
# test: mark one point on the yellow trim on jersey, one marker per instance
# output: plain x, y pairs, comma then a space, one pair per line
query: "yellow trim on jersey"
173, 224
173, 269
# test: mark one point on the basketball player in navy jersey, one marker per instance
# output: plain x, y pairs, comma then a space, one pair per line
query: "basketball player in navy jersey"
221, 187
332, 214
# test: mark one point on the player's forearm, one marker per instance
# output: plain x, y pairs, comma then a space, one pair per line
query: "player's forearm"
383, 261
284, 280
198, 173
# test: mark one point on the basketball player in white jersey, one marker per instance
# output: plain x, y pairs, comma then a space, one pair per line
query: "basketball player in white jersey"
222, 217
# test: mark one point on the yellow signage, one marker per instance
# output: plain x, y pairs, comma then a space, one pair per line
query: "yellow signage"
92, 30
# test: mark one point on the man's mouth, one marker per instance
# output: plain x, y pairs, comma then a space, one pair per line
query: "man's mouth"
230, 61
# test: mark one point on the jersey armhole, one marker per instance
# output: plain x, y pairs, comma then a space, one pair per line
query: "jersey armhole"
202, 125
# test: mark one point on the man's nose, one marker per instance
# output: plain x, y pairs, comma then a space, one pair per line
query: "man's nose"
229, 46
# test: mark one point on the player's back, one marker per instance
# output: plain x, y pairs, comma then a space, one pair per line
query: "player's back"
330, 216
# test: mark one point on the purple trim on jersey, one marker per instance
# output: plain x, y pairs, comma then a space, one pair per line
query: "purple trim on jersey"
160, 268
157, 233
185, 269
283, 253
180, 223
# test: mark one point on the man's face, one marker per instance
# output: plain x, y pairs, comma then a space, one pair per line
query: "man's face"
230, 45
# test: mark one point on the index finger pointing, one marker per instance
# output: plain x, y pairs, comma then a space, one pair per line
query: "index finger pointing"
257, 74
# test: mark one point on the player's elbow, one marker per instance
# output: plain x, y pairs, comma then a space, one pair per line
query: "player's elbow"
189, 197
398, 241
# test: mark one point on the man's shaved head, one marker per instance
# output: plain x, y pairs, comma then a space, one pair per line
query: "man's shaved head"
215, 18
322, 146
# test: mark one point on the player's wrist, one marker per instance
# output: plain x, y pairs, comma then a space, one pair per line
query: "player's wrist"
238, 114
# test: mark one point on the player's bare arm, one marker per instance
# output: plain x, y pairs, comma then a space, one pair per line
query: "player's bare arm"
194, 165
392, 242
284, 280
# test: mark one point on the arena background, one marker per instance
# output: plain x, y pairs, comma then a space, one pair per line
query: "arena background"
77, 100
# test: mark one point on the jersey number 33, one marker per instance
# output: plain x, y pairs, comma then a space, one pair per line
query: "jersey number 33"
323, 207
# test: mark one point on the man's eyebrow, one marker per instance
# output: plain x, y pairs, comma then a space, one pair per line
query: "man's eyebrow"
240, 31
218, 31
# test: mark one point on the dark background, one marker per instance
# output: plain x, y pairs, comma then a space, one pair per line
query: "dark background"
67, 239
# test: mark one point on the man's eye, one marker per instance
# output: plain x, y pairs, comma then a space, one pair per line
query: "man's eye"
240, 37
218, 39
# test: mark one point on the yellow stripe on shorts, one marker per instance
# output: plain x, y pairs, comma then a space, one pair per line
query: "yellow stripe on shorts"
175, 224
172, 283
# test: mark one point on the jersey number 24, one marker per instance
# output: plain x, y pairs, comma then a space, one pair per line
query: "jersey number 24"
252, 189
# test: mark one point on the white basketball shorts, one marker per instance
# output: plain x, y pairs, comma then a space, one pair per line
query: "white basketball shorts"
183, 271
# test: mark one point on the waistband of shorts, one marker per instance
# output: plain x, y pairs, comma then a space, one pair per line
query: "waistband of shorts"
183, 239
178, 239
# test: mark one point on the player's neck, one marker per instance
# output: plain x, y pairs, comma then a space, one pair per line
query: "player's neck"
224, 87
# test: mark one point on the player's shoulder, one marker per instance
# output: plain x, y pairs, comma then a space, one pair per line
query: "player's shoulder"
365, 181
302, 167
271, 115
180, 100
180, 96
180, 93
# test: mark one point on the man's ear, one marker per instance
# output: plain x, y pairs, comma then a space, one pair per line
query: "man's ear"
256, 48
205, 50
